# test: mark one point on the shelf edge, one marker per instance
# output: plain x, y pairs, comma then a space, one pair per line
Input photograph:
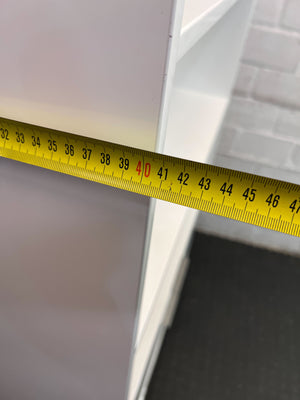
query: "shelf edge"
192, 32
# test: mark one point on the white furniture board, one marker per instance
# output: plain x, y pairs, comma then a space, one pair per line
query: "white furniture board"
194, 122
71, 254
173, 224
108, 70
143, 352
199, 97
193, 9
95, 68
210, 66
198, 18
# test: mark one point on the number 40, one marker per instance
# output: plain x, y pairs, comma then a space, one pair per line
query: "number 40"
146, 171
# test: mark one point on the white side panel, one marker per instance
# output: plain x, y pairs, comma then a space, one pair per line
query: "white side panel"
90, 67
162, 300
71, 255
188, 110
199, 99
202, 84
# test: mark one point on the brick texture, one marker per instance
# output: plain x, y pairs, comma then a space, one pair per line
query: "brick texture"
262, 149
272, 49
251, 115
291, 15
277, 88
267, 12
261, 131
288, 124
295, 158
245, 80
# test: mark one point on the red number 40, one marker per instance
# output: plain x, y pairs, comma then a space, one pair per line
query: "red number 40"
147, 169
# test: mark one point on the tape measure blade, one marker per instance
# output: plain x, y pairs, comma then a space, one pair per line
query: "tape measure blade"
245, 197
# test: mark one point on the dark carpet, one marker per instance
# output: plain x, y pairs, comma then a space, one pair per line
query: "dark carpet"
236, 333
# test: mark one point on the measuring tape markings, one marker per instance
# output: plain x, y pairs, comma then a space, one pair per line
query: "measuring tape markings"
242, 196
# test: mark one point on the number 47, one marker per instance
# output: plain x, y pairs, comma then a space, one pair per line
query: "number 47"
295, 206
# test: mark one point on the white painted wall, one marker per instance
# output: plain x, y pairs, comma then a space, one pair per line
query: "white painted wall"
261, 131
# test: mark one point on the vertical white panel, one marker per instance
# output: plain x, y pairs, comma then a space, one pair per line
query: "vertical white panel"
92, 67
70, 265
201, 88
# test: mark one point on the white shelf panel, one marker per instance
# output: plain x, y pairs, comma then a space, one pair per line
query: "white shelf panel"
143, 350
198, 116
194, 8
198, 18
198, 100
114, 80
95, 68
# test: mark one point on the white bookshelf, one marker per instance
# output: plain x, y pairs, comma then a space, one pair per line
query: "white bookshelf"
201, 85
151, 74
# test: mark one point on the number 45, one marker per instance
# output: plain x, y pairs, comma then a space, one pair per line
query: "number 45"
249, 194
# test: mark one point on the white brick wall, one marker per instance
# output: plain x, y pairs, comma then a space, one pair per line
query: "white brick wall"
277, 88
261, 131
268, 12
291, 15
272, 48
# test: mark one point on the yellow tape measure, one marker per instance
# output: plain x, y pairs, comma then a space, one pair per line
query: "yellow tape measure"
245, 197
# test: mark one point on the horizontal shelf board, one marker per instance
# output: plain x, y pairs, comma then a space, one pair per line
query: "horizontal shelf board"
198, 19
194, 8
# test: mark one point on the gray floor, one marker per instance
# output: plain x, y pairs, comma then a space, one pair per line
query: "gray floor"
236, 334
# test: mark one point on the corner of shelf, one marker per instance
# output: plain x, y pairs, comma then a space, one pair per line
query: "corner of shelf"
194, 28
